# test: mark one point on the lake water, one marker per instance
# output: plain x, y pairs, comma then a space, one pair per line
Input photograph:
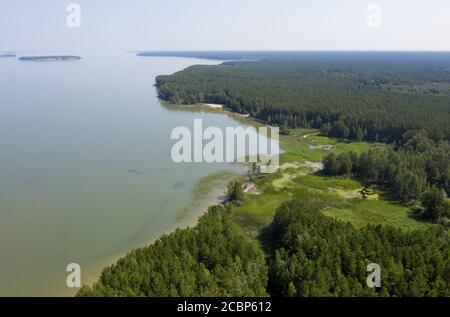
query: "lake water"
85, 167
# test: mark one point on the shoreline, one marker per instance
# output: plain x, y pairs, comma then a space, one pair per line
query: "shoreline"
198, 208
217, 108
212, 198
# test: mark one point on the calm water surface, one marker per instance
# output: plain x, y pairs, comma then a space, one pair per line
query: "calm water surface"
85, 167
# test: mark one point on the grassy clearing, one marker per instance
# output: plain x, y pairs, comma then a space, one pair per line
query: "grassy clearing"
258, 211
378, 212
324, 183
331, 195
337, 197
307, 144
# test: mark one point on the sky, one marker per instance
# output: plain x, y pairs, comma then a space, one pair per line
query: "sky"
129, 25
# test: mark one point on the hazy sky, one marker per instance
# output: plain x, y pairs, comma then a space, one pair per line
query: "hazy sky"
122, 25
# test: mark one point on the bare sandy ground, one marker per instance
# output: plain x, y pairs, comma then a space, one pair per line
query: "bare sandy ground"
214, 105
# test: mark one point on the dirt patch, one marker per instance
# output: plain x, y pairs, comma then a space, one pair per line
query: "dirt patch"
251, 188
355, 193
286, 166
213, 105
294, 170
314, 167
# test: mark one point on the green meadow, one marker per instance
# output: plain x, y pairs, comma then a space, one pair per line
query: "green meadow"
308, 144
337, 197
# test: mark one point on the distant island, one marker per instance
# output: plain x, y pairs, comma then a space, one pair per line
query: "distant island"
213, 55
49, 58
7, 55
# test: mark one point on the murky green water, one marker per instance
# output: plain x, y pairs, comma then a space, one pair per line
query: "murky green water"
85, 166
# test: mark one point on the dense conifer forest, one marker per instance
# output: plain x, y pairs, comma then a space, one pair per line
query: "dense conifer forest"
365, 96
215, 258
313, 255
308, 255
